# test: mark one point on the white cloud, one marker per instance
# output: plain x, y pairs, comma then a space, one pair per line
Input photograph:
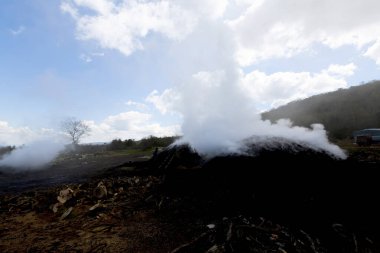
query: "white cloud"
131, 120
278, 28
262, 29
373, 52
342, 70
128, 125
165, 102
205, 8
15, 135
137, 105
17, 31
103, 7
68, 8
123, 25
282, 87
10, 135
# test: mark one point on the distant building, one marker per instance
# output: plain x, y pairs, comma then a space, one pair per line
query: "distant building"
367, 137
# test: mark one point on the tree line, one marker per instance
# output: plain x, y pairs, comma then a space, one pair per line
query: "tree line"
143, 144
6, 150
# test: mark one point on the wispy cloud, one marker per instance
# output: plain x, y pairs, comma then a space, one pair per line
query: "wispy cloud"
90, 57
98, 54
18, 30
85, 58
137, 105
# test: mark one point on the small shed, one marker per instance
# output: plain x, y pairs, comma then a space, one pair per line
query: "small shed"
367, 137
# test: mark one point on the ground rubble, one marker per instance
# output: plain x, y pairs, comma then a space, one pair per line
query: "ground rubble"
247, 234
182, 207
92, 217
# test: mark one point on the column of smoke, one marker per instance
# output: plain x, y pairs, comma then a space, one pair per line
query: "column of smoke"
33, 155
217, 114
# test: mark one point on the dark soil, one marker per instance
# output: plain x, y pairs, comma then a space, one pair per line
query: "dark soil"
278, 201
66, 169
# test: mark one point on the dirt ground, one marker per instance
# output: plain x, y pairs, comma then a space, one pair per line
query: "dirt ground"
129, 208
66, 169
125, 219
121, 221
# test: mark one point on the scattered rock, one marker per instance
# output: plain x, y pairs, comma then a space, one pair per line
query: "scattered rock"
100, 191
211, 226
65, 195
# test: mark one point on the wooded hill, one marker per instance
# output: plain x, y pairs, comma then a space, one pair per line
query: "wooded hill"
341, 112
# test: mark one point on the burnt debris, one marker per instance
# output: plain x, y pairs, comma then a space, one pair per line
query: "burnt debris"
284, 197
304, 188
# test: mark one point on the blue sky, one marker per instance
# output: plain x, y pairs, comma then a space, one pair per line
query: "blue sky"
44, 75
123, 66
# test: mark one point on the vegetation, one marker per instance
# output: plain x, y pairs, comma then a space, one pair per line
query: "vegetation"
76, 129
341, 112
143, 144
6, 150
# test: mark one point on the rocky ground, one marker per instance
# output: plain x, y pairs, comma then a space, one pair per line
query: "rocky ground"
181, 202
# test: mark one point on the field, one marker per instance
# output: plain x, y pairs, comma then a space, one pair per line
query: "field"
120, 201
66, 168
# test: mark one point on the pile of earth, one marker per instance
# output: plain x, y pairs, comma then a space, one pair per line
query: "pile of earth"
282, 197
289, 183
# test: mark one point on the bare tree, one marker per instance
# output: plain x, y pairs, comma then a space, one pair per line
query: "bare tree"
76, 129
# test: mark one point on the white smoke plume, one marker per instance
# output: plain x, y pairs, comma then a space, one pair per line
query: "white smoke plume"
217, 113
218, 116
212, 42
33, 155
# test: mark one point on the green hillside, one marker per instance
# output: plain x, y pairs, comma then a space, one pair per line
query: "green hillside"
341, 112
